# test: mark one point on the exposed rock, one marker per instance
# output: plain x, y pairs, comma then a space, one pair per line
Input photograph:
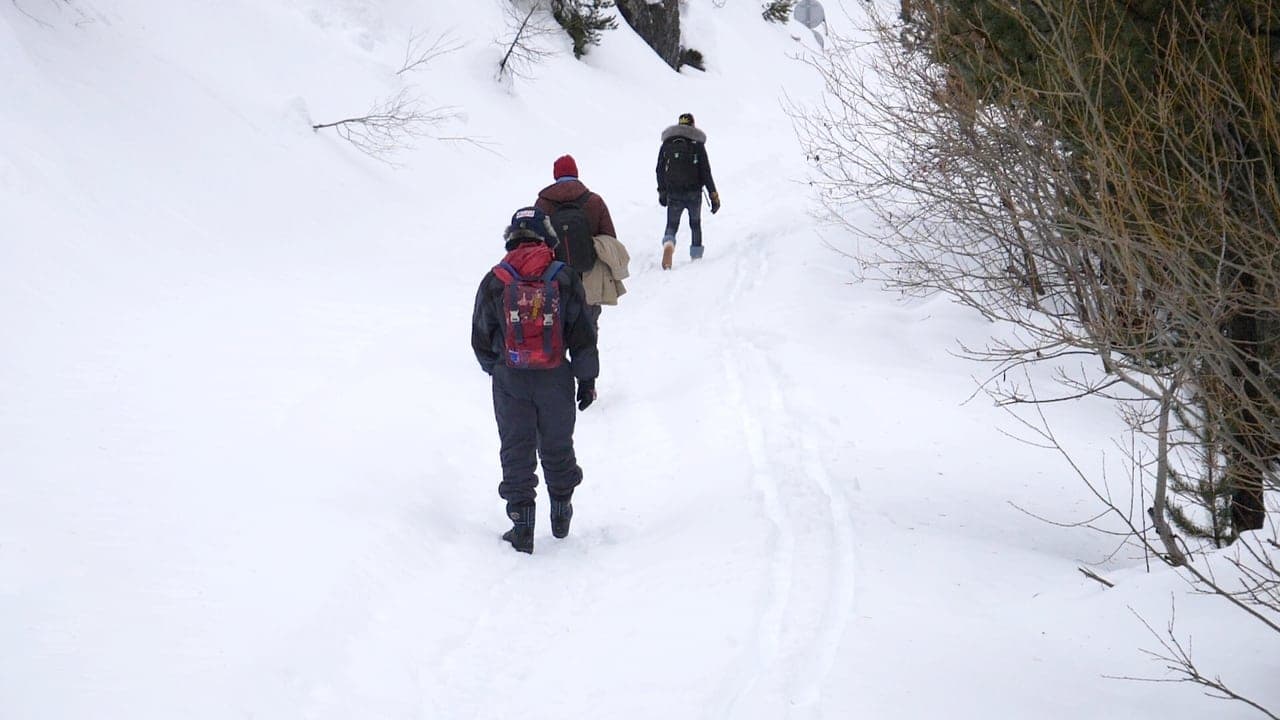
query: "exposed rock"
658, 23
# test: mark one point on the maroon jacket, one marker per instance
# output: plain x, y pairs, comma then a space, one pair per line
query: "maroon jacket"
597, 212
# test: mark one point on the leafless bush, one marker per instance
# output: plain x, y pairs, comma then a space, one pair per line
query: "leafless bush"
390, 126
1148, 262
1252, 585
527, 25
1121, 220
420, 51
393, 123
1175, 654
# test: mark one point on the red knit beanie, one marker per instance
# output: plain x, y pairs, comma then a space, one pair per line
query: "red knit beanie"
564, 166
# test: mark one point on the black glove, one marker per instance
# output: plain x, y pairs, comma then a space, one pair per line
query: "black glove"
662, 198
586, 393
715, 203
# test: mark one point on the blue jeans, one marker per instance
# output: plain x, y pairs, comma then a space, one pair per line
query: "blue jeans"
677, 203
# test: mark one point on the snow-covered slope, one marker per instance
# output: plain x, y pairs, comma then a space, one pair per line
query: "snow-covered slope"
248, 464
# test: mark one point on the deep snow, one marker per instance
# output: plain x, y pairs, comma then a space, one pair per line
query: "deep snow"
248, 464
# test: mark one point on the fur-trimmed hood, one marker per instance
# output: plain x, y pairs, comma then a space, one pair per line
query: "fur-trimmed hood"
687, 131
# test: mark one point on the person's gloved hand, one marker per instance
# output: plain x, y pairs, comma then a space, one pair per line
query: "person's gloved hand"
586, 393
662, 198
715, 202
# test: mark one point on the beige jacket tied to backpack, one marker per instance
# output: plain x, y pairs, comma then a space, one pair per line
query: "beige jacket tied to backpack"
603, 282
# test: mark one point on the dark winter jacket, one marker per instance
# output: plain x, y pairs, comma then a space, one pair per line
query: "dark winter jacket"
550, 197
531, 260
699, 139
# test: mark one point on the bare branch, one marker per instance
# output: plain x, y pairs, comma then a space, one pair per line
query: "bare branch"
521, 51
1094, 576
418, 52
1177, 659
31, 17
57, 4
390, 126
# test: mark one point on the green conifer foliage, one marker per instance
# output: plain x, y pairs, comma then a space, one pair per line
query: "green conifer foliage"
778, 11
584, 20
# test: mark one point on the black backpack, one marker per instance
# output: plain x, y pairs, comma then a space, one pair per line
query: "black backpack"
681, 168
577, 247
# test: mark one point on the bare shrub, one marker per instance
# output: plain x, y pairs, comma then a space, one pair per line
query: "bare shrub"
393, 123
390, 126
527, 25
1117, 210
421, 50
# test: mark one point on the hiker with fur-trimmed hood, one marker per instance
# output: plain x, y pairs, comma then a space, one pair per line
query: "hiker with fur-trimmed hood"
683, 171
596, 227
529, 310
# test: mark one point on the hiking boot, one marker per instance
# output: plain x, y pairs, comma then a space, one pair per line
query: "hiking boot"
521, 533
561, 514
668, 249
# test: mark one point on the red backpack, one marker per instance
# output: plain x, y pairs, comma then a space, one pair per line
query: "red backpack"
533, 331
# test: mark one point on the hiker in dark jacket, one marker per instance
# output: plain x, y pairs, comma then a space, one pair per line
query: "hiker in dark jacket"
534, 408
568, 188
683, 170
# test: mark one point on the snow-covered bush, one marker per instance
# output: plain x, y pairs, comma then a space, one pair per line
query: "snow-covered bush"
778, 11
584, 20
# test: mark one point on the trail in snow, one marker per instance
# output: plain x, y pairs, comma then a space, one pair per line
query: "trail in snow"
683, 465
810, 593
250, 466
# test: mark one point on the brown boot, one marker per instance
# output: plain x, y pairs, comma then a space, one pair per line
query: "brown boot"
668, 249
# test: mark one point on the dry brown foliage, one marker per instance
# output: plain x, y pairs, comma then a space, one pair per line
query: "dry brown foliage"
1129, 237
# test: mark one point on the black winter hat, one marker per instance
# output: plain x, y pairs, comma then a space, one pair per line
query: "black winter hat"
530, 224
686, 119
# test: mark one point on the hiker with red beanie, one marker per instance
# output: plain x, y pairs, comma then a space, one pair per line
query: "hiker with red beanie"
582, 222
530, 309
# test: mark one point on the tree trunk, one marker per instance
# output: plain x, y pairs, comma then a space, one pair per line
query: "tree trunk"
1247, 454
658, 24
1160, 503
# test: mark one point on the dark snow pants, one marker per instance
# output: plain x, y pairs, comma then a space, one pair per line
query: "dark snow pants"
536, 413
677, 203
594, 311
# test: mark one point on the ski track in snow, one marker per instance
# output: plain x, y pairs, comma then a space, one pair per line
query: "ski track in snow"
803, 620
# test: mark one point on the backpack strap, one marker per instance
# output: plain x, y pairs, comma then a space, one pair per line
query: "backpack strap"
509, 298
549, 277
551, 271
509, 269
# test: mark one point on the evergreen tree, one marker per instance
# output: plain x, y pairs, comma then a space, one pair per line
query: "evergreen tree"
778, 11
584, 20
